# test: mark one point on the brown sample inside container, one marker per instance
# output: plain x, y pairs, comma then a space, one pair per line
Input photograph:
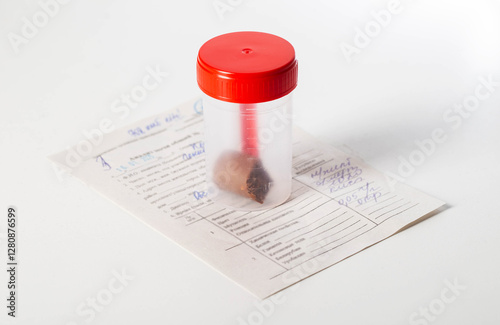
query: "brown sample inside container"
242, 174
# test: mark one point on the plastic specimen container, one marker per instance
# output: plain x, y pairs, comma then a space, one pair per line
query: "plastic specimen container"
247, 79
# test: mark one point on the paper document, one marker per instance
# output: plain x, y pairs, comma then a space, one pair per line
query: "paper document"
155, 169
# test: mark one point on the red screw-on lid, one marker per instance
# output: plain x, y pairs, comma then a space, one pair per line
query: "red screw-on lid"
247, 67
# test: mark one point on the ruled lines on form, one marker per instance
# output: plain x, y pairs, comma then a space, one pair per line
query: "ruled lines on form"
337, 207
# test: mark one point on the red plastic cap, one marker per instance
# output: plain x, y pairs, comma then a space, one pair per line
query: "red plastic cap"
247, 67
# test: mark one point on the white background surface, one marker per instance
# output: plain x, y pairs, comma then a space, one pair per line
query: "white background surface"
395, 91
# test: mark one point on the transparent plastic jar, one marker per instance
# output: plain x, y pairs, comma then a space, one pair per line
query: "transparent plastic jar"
247, 79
